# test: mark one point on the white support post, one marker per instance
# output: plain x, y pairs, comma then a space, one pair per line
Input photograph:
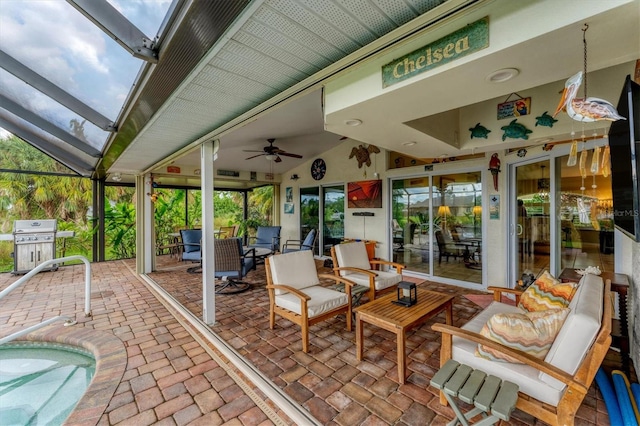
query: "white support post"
207, 152
145, 226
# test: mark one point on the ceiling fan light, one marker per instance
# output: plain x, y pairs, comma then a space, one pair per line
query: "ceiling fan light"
271, 157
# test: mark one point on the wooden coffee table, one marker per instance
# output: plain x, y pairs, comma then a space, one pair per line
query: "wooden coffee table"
399, 319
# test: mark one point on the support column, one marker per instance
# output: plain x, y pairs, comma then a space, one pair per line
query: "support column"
208, 151
145, 225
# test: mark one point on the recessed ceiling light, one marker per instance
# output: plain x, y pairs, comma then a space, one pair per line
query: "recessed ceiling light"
353, 122
410, 143
500, 76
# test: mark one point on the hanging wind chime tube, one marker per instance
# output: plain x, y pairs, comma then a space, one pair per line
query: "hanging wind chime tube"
606, 161
583, 162
573, 152
595, 161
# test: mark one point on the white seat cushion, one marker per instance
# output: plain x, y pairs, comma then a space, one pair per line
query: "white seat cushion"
524, 376
353, 255
383, 279
322, 300
295, 269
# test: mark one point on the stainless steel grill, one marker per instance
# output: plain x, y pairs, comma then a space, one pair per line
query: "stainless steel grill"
34, 242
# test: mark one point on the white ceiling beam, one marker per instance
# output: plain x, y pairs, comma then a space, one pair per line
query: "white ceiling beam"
56, 93
118, 27
47, 126
80, 167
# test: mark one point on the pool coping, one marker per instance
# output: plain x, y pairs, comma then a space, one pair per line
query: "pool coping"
111, 361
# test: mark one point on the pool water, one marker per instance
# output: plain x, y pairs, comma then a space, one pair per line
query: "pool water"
40, 383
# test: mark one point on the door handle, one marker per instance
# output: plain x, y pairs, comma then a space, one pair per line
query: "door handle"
519, 227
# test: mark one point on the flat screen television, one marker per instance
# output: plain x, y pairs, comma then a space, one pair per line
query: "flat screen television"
624, 143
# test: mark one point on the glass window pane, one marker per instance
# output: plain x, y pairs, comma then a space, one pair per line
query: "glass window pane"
586, 217
63, 46
46, 108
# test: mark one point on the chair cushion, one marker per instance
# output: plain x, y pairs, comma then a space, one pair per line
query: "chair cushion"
547, 293
311, 236
194, 256
267, 237
353, 255
384, 279
322, 300
579, 330
296, 269
530, 332
193, 237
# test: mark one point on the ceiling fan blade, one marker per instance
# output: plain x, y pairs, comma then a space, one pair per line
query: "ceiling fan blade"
286, 154
259, 155
252, 150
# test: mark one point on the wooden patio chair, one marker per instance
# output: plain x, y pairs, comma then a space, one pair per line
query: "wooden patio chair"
351, 261
295, 292
226, 232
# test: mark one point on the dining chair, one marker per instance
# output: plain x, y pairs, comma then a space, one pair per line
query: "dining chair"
446, 249
191, 239
226, 232
295, 292
350, 260
296, 245
266, 237
232, 264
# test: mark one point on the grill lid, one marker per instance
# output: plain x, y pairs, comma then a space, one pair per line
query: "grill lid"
34, 226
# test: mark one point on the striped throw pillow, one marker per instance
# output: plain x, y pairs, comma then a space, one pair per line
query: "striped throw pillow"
531, 332
547, 293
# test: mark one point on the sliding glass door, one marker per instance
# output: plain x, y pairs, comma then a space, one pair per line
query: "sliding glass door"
437, 225
322, 208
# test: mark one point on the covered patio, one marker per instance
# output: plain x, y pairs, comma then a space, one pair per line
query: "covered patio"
173, 375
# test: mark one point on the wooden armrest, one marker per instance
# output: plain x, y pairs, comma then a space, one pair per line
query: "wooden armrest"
497, 293
357, 270
291, 290
505, 290
346, 282
396, 265
521, 356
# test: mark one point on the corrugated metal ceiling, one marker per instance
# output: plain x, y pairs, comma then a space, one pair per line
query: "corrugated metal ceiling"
273, 45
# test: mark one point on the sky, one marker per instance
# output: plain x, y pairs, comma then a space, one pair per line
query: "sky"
58, 42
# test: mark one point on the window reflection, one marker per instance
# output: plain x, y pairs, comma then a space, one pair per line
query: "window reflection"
438, 222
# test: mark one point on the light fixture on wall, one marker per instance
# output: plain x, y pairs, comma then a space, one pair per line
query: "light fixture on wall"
294, 177
117, 177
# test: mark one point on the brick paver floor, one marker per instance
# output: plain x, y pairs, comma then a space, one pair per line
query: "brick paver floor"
170, 378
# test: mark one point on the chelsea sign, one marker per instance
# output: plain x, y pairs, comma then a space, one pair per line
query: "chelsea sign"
460, 43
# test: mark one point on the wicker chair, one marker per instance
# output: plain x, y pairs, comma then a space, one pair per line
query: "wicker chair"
232, 264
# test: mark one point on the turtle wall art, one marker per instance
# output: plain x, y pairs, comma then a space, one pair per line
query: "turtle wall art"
515, 130
545, 120
479, 131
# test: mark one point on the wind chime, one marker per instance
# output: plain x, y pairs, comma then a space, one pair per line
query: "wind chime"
586, 110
